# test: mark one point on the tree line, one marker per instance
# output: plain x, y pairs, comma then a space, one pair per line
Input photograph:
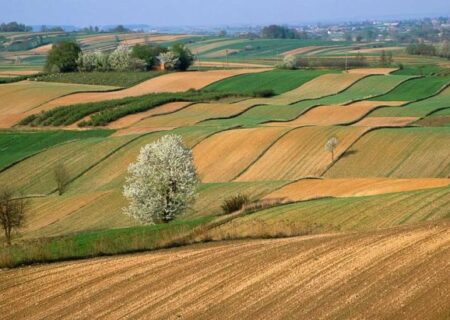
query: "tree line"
67, 56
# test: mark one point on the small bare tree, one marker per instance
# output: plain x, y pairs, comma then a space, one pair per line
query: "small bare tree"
12, 212
62, 178
331, 146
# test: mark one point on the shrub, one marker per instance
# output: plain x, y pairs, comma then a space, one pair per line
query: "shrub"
234, 203
185, 56
264, 93
148, 54
63, 57
119, 59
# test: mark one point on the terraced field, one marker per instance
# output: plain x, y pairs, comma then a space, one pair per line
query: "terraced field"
307, 189
415, 89
335, 115
279, 81
417, 109
172, 82
300, 153
35, 175
436, 119
225, 155
308, 276
342, 214
20, 98
399, 153
16, 145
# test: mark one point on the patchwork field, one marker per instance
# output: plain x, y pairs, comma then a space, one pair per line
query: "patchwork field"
400, 153
287, 222
172, 82
21, 98
288, 159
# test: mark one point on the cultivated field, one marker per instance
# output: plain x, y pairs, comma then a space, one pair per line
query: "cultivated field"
287, 223
308, 277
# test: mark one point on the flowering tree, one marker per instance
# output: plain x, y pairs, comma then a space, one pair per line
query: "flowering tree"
119, 59
168, 60
289, 62
161, 184
331, 146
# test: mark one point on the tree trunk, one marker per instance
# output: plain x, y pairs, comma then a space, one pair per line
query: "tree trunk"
8, 236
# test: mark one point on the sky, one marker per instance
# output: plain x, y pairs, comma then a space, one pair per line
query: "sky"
212, 12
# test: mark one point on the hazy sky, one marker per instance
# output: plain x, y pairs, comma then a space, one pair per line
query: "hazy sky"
211, 12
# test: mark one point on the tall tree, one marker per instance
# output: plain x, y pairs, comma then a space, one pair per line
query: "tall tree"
12, 212
161, 184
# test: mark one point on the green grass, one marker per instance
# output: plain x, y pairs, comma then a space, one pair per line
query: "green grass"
367, 87
417, 109
15, 145
265, 48
423, 70
98, 243
279, 81
104, 112
116, 79
346, 214
415, 89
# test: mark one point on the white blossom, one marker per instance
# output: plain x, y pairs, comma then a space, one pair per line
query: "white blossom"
162, 182
168, 60
119, 59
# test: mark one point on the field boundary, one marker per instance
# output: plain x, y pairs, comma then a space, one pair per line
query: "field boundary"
265, 151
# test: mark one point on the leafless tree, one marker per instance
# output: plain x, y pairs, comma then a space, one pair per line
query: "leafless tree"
62, 177
12, 212
331, 146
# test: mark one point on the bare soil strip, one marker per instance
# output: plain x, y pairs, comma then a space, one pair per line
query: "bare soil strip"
307, 189
172, 82
384, 71
385, 121
389, 274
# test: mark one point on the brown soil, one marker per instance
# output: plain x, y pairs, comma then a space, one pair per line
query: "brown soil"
317, 188
385, 121
399, 273
372, 71
334, 115
172, 82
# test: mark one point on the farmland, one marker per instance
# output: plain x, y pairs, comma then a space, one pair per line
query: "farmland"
313, 183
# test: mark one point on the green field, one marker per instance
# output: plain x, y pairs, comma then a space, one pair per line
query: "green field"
95, 243
423, 70
116, 79
16, 145
417, 109
345, 214
415, 89
279, 81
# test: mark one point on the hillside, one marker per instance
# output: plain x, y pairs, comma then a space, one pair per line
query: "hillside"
328, 276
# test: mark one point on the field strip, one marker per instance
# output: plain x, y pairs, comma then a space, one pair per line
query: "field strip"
385, 121
386, 267
216, 157
414, 152
307, 189
384, 71
335, 115
300, 153
172, 82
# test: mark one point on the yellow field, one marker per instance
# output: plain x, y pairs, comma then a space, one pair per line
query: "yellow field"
20, 99
307, 189
314, 277
300, 153
225, 155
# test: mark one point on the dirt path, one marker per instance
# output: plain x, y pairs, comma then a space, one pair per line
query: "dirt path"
390, 274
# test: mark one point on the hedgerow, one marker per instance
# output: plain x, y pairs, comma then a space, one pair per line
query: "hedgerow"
105, 112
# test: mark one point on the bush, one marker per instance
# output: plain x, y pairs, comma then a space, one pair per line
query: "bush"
234, 203
264, 93
63, 57
185, 56
148, 54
